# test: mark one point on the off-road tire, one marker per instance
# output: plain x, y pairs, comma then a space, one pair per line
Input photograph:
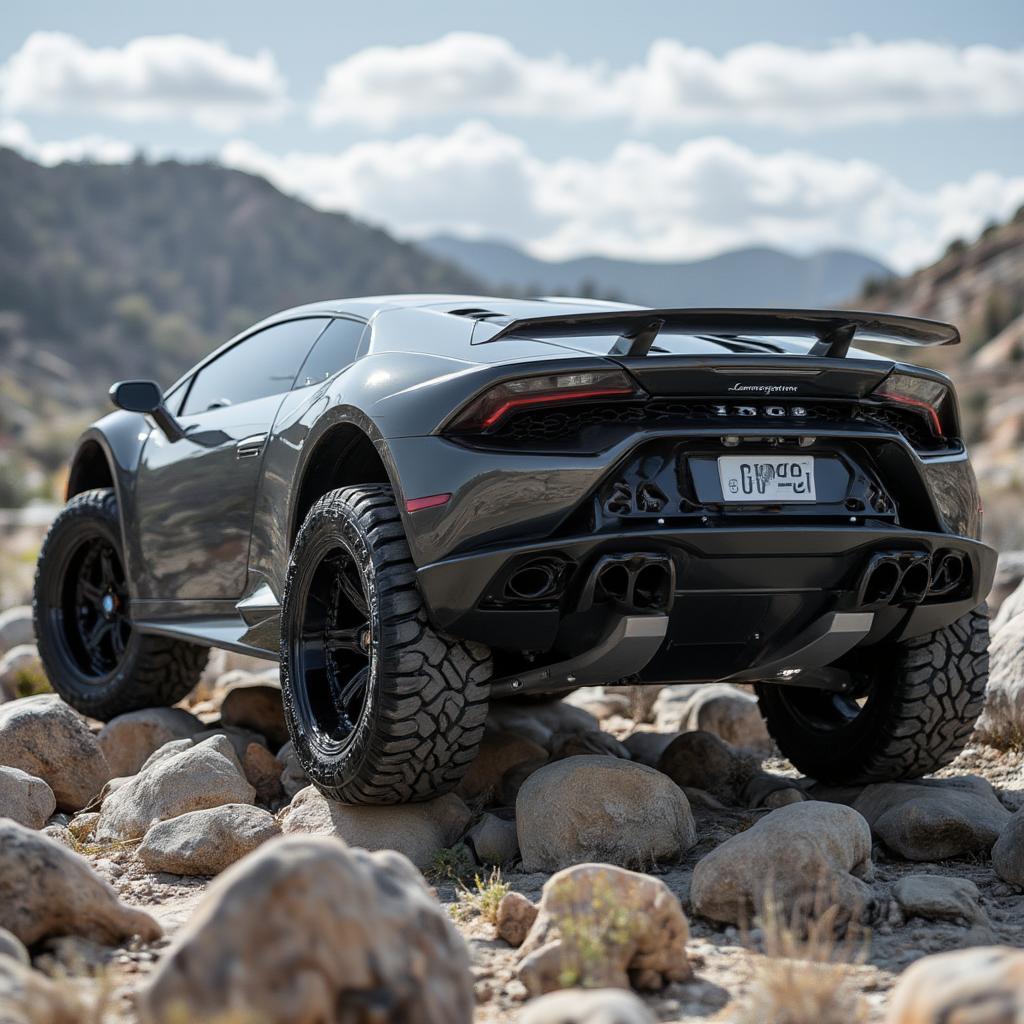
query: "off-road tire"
153, 671
424, 714
920, 712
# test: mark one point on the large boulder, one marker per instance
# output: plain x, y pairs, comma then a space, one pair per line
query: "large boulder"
306, 929
46, 738
128, 740
795, 858
1008, 852
12, 946
1013, 603
730, 714
24, 798
256, 706
17, 627
206, 775
1002, 721
934, 819
701, 760
499, 753
599, 926
646, 746
48, 890
206, 842
984, 985
588, 1006
418, 831
594, 808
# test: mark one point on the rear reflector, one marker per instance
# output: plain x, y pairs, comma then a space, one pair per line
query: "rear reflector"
430, 501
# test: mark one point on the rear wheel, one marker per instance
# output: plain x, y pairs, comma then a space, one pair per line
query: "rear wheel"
381, 708
93, 657
910, 711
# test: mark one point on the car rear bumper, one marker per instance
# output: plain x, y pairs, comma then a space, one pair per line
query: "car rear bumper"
741, 598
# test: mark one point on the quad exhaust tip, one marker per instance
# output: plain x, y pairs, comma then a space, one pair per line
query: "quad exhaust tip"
537, 580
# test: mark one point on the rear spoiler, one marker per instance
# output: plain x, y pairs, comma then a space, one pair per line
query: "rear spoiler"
833, 331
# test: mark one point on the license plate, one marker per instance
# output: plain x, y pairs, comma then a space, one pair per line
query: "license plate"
766, 478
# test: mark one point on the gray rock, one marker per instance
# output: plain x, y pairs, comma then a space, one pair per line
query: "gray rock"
293, 778
12, 946
599, 926
206, 775
1008, 852
258, 707
934, 819
28, 996
984, 985
16, 627
47, 890
540, 721
263, 771
206, 842
165, 750
418, 831
594, 808
588, 1006
130, 739
44, 737
1006, 599
516, 915
939, 898
647, 747
493, 839
499, 753
794, 857
701, 760
24, 798
22, 673
730, 714
670, 708
306, 929
1002, 721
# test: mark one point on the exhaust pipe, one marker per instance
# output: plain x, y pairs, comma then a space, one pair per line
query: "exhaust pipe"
950, 572
637, 582
895, 577
535, 581
917, 578
880, 580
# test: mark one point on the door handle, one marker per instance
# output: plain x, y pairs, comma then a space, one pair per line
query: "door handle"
250, 447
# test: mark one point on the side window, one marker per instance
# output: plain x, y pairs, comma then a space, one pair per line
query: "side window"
334, 350
263, 364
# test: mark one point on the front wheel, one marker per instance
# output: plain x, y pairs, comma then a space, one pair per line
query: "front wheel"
381, 708
93, 656
911, 708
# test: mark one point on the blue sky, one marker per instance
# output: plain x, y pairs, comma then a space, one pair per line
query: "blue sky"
656, 130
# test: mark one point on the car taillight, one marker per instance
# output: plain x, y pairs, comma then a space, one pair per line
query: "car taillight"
486, 411
930, 398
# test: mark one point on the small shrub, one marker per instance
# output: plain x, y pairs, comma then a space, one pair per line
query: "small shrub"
453, 864
482, 899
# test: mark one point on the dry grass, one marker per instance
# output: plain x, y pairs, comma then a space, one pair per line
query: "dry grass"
482, 898
804, 975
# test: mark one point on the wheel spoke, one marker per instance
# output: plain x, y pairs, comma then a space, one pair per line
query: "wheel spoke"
353, 591
90, 592
353, 688
97, 633
350, 640
107, 569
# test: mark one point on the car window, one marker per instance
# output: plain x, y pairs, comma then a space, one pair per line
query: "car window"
334, 350
263, 364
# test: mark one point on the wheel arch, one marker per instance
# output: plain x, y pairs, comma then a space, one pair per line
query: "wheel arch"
345, 449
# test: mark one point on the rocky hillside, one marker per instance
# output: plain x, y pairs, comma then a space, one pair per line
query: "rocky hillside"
111, 271
979, 286
648, 845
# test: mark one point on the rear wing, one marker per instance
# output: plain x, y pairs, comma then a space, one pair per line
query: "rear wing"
832, 331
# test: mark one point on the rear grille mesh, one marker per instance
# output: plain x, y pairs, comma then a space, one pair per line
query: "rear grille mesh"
552, 425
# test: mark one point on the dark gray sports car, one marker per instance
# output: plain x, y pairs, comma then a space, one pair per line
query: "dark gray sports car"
423, 503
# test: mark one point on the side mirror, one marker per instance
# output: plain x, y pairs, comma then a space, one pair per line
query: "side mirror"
145, 396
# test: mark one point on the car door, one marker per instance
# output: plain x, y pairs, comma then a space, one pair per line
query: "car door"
195, 496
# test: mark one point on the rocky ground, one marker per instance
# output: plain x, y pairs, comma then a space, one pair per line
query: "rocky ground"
174, 865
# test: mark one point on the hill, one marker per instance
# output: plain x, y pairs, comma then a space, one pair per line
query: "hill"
745, 277
111, 271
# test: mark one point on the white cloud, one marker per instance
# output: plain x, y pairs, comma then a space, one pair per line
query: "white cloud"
854, 80
98, 149
640, 201
149, 78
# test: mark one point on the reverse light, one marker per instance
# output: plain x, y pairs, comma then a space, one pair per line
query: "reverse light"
493, 405
929, 397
